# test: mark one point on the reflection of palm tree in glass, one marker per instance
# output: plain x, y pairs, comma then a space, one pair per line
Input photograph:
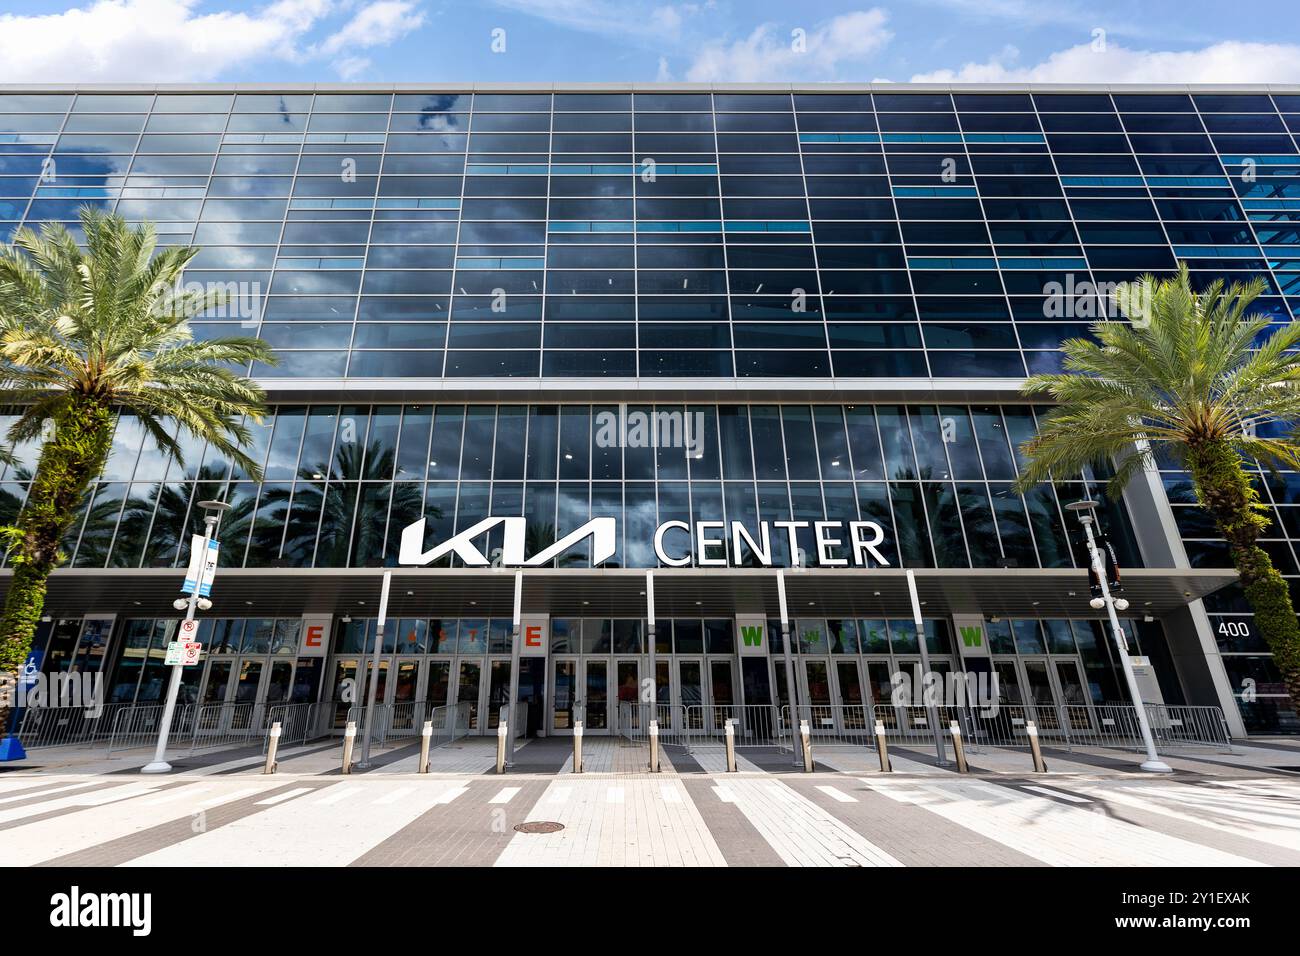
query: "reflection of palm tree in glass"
540, 535
167, 506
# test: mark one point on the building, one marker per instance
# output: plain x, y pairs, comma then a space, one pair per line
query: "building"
698, 311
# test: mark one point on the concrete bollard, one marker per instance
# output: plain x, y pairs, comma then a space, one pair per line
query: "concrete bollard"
882, 747
577, 746
806, 736
349, 741
654, 746
1032, 730
271, 748
426, 737
503, 736
729, 733
958, 747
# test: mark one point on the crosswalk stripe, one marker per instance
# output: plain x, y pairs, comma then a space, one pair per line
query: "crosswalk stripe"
614, 795
48, 791
109, 796
724, 794
670, 793
451, 795
839, 795
506, 795
560, 794
394, 796
231, 797
281, 797
1056, 793
184, 793
338, 796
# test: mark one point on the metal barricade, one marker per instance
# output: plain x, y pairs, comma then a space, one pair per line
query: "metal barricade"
755, 725
45, 727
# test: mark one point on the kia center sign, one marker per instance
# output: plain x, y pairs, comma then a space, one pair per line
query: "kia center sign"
837, 544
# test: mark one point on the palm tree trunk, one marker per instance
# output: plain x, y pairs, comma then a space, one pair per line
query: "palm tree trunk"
1225, 491
69, 461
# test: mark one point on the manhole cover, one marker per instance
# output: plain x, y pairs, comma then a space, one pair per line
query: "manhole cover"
539, 826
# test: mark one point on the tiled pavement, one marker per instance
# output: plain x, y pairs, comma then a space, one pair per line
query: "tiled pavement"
1091, 810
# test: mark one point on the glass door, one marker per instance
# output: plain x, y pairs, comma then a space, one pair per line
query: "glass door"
564, 694
814, 673
690, 692
722, 691
1074, 699
628, 685
595, 696
498, 691
247, 692
1041, 694
467, 689
405, 685
851, 713
880, 686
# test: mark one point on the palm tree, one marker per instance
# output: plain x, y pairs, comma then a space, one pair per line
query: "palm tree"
1198, 376
84, 336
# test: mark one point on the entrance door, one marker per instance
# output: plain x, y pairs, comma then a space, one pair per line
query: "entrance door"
722, 691
468, 679
1040, 693
852, 715
595, 696
406, 717
628, 688
690, 692
565, 694
1073, 694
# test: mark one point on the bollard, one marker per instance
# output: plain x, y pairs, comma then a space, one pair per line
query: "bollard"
426, 735
958, 748
1032, 730
349, 739
503, 735
730, 734
577, 746
271, 748
804, 735
882, 748
654, 746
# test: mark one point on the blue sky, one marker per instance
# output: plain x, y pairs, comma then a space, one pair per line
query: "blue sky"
632, 40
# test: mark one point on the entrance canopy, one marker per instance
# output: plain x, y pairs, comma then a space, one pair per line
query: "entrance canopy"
620, 592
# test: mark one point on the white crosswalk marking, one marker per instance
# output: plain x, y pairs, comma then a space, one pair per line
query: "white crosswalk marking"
27, 794
1056, 793
182, 793
450, 795
506, 795
108, 796
394, 796
614, 795
338, 796
281, 797
560, 794
670, 793
230, 797
724, 794
839, 795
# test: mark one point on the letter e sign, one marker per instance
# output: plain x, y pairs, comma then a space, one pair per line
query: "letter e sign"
315, 638
534, 631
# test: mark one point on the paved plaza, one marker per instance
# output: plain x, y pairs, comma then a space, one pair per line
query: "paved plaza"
78, 808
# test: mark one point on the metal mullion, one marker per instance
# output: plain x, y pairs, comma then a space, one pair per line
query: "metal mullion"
984, 474
902, 243
1024, 502
812, 239
134, 152
722, 225
1006, 297
36, 190
455, 267
1146, 186
1074, 224
293, 495
1065, 528
370, 230
546, 261
361, 485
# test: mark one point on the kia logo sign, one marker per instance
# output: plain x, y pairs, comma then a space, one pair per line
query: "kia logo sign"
836, 544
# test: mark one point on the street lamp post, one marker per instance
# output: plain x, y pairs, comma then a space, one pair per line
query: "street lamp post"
1153, 762
212, 511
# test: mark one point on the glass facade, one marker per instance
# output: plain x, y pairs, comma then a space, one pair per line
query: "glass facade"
341, 482
659, 234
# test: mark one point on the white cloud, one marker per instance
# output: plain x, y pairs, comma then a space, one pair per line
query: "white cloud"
636, 21
144, 41
770, 55
376, 24
1227, 62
